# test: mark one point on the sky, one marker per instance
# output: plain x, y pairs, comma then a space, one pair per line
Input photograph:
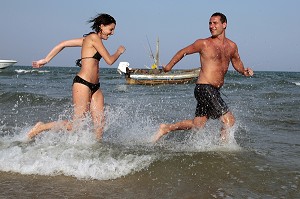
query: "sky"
267, 32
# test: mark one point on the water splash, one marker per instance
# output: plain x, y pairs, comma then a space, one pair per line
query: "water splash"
125, 149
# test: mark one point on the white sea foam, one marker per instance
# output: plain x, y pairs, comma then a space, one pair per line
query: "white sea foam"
55, 153
297, 83
31, 71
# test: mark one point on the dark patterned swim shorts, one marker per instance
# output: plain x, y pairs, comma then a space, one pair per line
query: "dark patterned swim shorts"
209, 102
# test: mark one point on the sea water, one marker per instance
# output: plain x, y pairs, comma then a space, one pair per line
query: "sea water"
261, 159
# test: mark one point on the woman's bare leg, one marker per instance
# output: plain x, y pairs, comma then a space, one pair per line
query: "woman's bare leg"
40, 127
97, 112
81, 99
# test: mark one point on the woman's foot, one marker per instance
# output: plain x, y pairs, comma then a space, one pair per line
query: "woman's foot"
35, 130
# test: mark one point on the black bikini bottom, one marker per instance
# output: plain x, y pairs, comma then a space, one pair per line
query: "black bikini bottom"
92, 87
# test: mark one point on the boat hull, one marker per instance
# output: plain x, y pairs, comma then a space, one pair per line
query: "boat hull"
154, 77
6, 63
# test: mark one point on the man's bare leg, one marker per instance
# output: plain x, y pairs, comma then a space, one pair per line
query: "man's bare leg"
164, 129
228, 121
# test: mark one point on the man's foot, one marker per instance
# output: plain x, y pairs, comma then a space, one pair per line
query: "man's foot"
99, 137
224, 138
163, 129
35, 130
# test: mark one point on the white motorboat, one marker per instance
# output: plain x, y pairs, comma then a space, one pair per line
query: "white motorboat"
6, 63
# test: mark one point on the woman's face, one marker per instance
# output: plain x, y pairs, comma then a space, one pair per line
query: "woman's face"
107, 30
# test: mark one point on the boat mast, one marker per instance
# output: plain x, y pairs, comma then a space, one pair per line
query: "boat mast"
150, 50
157, 53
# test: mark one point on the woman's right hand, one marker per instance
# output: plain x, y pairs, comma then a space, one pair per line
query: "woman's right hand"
38, 64
121, 49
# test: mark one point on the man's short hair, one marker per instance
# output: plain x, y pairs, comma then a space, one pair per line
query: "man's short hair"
223, 18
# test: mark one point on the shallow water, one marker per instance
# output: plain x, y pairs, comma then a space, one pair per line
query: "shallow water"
260, 161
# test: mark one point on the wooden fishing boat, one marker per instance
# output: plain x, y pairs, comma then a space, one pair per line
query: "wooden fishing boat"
154, 75
157, 76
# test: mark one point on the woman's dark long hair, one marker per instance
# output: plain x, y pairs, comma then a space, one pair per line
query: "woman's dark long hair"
102, 18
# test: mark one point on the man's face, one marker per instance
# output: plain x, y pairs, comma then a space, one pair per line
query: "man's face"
215, 26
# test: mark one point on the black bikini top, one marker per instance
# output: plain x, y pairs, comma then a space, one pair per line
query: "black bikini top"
96, 56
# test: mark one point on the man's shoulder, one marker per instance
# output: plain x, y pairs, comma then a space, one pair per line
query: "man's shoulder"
231, 42
202, 40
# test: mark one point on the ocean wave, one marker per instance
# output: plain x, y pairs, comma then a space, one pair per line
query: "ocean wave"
29, 99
